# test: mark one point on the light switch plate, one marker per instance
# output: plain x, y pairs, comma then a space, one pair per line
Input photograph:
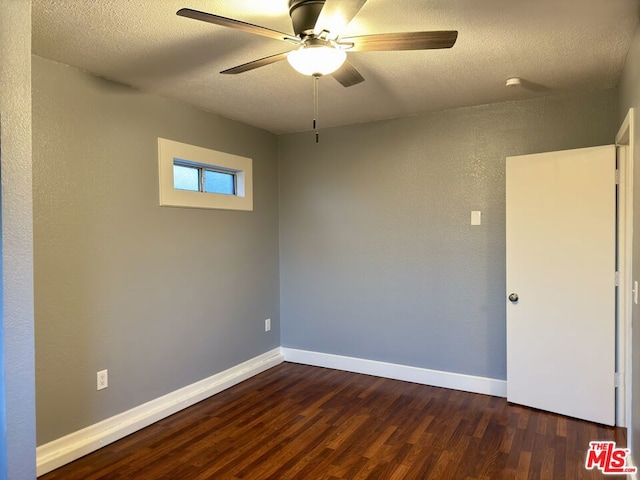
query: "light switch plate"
476, 217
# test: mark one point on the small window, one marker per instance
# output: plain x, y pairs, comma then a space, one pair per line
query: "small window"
197, 177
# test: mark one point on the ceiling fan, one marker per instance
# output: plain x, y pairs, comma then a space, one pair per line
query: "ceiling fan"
317, 48
317, 25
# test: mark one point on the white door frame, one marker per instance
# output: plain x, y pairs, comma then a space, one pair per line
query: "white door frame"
625, 147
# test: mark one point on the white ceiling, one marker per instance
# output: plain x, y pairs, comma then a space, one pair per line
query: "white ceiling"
555, 46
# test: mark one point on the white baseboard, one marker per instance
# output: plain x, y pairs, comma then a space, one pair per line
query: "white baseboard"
75, 445
435, 378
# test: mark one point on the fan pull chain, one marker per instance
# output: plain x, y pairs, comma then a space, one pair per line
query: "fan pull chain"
315, 106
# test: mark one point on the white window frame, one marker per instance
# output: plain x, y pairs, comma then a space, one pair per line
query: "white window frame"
170, 151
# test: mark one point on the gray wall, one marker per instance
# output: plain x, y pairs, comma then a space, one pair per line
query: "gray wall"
377, 256
161, 297
17, 255
630, 97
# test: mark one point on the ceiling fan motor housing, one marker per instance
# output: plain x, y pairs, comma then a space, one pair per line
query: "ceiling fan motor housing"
304, 14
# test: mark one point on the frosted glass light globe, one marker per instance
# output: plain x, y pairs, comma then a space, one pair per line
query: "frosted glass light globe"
316, 59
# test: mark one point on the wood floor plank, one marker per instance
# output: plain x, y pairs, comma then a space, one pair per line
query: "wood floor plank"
308, 423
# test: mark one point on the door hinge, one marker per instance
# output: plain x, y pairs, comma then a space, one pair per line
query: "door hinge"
617, 279
617, 380
617, 177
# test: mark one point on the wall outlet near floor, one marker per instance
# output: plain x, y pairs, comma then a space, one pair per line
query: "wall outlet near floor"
103, 379
267, 325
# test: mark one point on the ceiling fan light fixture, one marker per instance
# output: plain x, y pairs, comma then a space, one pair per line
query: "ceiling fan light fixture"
314, 60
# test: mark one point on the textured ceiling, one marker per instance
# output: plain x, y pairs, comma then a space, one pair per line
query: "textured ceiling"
553, 45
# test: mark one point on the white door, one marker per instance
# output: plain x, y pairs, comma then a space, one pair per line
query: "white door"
560, 224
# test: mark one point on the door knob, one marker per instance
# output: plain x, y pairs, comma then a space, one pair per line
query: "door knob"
513, 297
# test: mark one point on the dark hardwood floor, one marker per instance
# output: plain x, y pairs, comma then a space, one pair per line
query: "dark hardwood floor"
302, 422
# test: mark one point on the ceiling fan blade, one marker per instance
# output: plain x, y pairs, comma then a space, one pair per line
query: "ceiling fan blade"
385, 42
347, 75
237, 24
256, 64
336, 15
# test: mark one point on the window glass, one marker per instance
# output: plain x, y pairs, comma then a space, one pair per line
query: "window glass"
219, 182
185, 178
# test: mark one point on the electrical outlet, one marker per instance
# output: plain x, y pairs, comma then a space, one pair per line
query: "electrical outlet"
103, 379
267, 325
